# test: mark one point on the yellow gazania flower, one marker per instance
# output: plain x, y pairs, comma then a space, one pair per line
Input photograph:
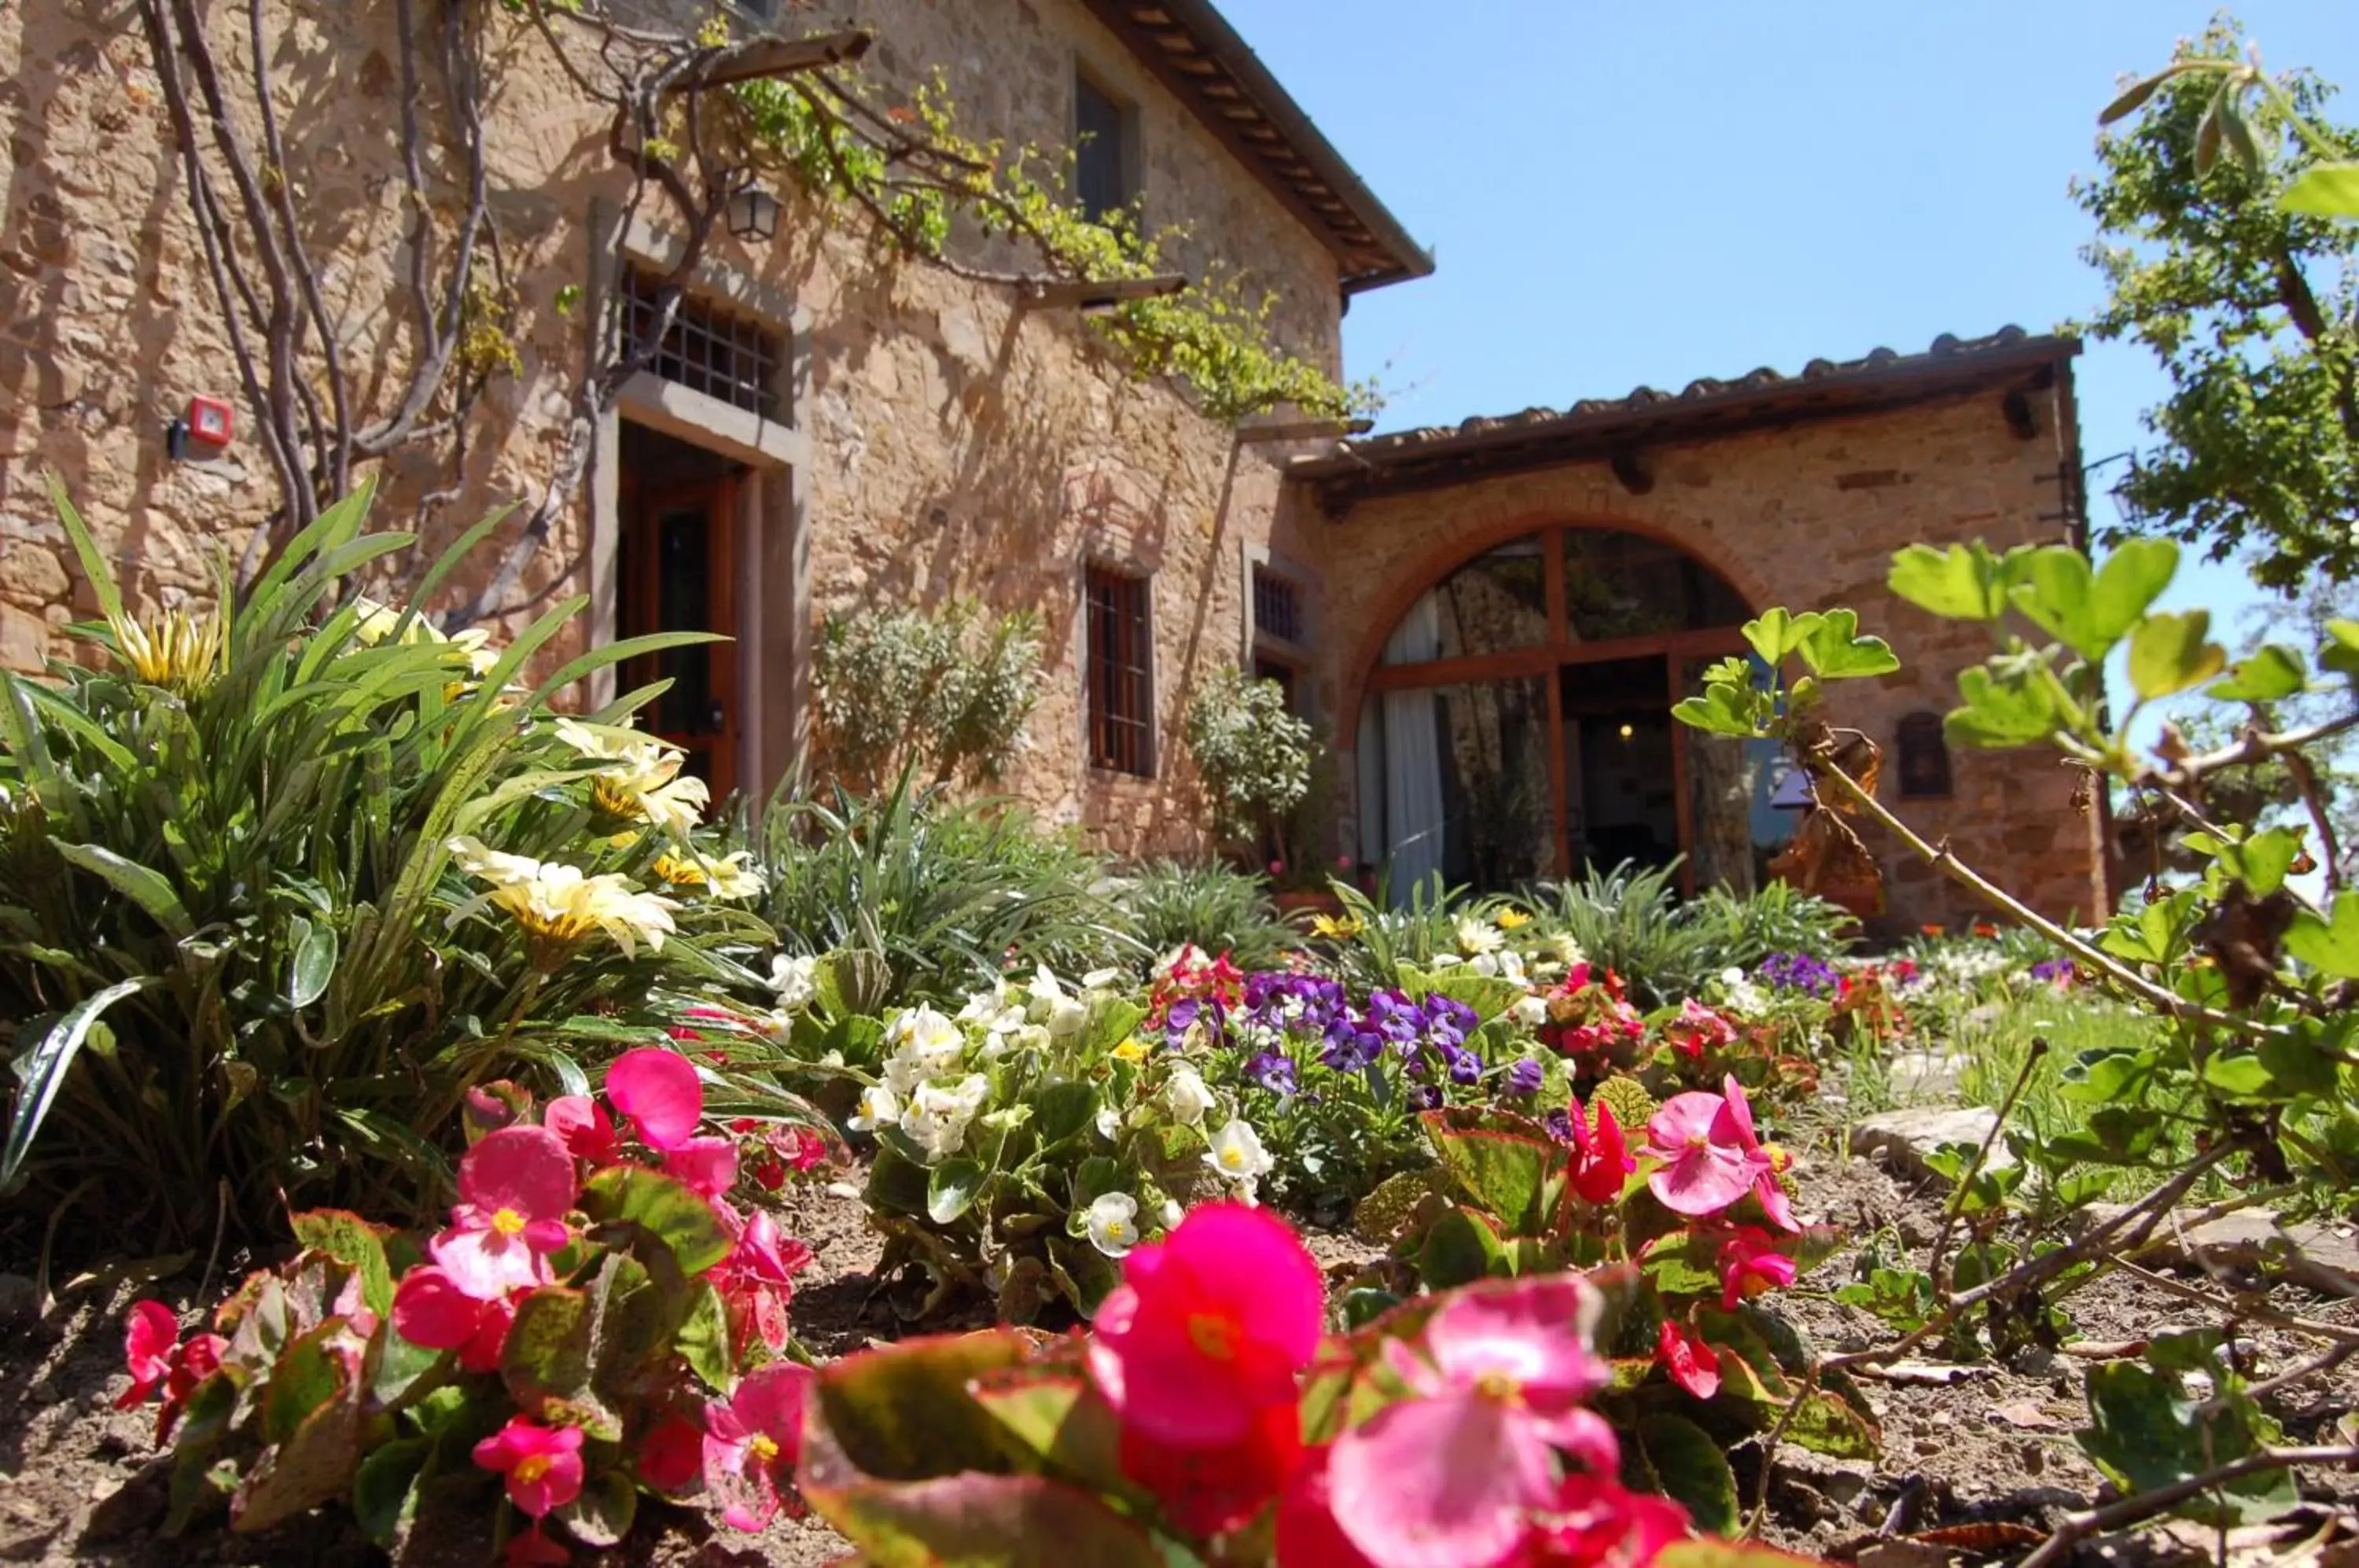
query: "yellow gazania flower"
727, 879
1132, 1050
561, 905
644, 780
1512, 920
378, 623
1335, 927
181, 651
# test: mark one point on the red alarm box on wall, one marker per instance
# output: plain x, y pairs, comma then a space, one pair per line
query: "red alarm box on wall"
209, 422
202, 432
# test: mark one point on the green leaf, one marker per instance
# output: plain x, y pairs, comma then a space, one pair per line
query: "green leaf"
86, 550
903, 1413
950, 1190
41, 1071
2090, 611
1834, 650
2324, 191
1459, 1249
2143, 1433
1061, 1418
353, 1241
2001, 712
704, 1340
385, 1491
2132, 98
1775, 633
2331, 945
145, 887
546, 1359
1504, 1173
2341, 653
2262, 861
1825, 1424
1681, 1460
1722, 710
1963, 582
306, 1377
2270, 675
668, 1209
2168, 653
601, 1515
314, 965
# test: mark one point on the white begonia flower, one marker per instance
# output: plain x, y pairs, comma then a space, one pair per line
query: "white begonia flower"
937, 1116
998, 1011
796, 980
1238, 1155
1109, 1123
1063, 1013
1172, 1212
925, 1045
1185, 1095
1565, 951
1114, 1224
1107, 979
879, 1107
1476, 937
1529, 1011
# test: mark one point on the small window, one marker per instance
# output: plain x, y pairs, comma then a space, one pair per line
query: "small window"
709, 348
1120, 689
1102, 164
1284, 674
1277, 606
1924, 758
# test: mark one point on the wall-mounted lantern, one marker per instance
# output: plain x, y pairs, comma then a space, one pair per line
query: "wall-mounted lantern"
753, 213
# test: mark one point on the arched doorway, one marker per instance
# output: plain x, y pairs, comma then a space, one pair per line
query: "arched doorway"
1518, 721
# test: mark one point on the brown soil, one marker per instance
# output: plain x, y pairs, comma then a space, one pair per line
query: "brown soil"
80, 1482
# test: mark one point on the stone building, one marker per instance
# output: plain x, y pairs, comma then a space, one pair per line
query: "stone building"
1489, 620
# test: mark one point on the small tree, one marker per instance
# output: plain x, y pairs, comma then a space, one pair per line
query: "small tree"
945, 695
2232, 270
1253, 755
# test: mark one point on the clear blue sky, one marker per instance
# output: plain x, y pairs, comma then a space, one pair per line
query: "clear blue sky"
1629, 192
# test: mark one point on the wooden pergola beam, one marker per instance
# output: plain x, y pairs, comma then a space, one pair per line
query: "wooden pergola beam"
1304, 430
757, 60
1052, 293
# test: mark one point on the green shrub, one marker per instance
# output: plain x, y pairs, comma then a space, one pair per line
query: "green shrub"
245, 973
1213, 907
1633, 921
944, 694
1745, 928
946, 892
1253, 755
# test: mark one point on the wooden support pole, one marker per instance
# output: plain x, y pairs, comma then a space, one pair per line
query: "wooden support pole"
1054, 293
1304, 430
756, 60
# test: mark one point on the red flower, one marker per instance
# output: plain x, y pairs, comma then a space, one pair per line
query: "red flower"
542, 1463
430, 1311
1697, 1028
1750, 1263
1207, 1491
580, 1122
1209, 1328
756, 1282
150, 1335
657, 1090
1602, 1160
1307, 1535
1693, 1363
1596, 1524
707, 1164
671, 1456
752, 1440
533, 1549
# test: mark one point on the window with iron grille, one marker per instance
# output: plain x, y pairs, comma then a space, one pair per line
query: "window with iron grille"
1120, 689
1924, 758
1102, 135
709, 348
1277, 606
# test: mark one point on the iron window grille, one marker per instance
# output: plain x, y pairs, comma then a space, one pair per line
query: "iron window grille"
1120, 689
709, 348
1277, 607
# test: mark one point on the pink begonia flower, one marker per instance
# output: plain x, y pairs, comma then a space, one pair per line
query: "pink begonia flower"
1691, 1362
1595, 1523
1601, 1161
431, 1312
657, 1090
580, 1122
752, 1440
1750, 1263
1448, 1479
515, 1187
1703, 1166
542, 1463
756, 1282
1768, 1159
1209, 1327
671, 1455
707, 1164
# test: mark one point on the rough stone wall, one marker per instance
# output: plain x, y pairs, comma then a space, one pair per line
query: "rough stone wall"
1807, 518
957, 446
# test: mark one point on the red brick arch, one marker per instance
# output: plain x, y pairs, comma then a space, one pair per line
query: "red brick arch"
1462, 546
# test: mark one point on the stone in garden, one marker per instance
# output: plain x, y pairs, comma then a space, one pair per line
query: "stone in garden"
2317, 1257
1908, 1138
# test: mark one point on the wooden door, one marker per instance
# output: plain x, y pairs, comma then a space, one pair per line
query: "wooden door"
678, 572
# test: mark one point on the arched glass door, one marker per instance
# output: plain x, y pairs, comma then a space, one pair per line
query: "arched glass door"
1518, 722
